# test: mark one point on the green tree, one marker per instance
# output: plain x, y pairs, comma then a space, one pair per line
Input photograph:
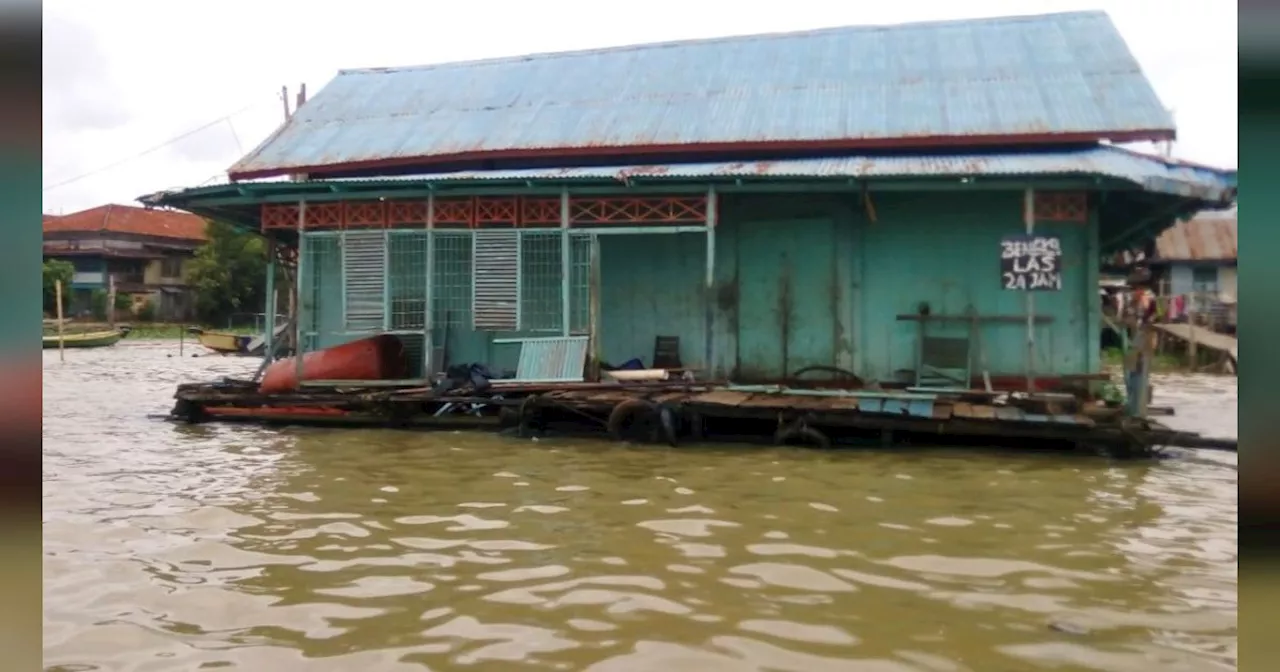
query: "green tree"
55, 270
229, 273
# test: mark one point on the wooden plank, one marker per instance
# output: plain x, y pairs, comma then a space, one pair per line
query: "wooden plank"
1009, 414
942, 411
982, 412
721, 398
666, 397
962, 410
765, 401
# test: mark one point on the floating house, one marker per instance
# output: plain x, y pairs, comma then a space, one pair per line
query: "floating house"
921, 204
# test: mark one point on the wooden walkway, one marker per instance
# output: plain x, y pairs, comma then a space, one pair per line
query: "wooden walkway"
1209, 339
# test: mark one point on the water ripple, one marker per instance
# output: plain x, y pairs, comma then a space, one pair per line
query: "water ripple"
176, 548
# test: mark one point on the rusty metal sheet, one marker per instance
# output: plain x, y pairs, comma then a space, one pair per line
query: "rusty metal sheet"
962, 409
1210, 236
942, 411
721, 398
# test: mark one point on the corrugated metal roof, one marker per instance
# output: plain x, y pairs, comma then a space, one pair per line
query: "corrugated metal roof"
1150, 172
1066, 75
129, 219
1206, 237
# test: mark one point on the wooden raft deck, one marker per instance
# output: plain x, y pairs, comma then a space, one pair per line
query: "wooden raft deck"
1224, 343
671, 413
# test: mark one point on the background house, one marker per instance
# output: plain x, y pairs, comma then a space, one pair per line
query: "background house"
147, 252
1196, 258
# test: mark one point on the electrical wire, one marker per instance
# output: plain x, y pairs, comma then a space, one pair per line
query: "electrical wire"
111, 166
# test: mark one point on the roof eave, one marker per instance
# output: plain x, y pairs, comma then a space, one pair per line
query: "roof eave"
245, 170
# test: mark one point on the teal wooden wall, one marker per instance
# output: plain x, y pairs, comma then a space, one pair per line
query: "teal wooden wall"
804, 280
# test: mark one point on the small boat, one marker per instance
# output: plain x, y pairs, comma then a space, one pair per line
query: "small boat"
88, 339
221, 342
380, 357
227, 343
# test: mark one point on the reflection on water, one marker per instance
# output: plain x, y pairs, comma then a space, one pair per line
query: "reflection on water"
200, 547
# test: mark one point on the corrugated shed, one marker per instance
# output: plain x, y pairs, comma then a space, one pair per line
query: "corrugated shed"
1063, 76
1150, 172
129, 219
1207, 237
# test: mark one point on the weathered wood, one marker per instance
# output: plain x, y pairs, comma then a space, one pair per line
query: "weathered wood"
831, 415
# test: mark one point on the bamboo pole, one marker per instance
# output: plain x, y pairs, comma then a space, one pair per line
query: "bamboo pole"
57, 291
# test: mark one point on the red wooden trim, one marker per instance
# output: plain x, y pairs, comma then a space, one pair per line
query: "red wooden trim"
639, 210
1061, 206
492, 211
739, 148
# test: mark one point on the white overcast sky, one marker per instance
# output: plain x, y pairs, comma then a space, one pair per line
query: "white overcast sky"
125, 76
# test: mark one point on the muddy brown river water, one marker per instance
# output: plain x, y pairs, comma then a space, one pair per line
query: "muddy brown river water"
171, 547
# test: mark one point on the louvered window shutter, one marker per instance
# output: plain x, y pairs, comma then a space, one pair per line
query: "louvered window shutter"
364, 263
495, 297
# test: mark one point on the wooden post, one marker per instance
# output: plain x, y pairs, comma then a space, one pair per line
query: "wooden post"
594, 307
1192, 354
269, 338
566, 266
111, 301
181, 337
297, 327
429, 363
1029, 219
57, 296
710, 318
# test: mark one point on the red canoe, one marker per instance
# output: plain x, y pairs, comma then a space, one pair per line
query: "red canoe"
380, 357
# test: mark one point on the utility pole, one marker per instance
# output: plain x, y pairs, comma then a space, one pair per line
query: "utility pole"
284, 98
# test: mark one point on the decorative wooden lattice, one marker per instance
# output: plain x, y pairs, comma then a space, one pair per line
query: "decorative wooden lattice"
652, 210
1061, 206
400, 213
453, 212
364, 214
540, 211
507, 211
279, 217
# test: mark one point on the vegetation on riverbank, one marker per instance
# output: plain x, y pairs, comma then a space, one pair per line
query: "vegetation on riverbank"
1160, 363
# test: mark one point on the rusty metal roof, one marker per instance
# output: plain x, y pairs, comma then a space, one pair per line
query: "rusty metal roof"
129, 219
1153, 173
1206, 237
1013, 80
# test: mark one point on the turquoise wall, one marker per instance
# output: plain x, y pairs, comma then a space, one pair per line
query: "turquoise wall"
804, 280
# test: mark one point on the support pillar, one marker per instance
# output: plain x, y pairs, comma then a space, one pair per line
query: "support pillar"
712, 217
300, 303
428, 307
566, 265
1029, 219
269, 339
